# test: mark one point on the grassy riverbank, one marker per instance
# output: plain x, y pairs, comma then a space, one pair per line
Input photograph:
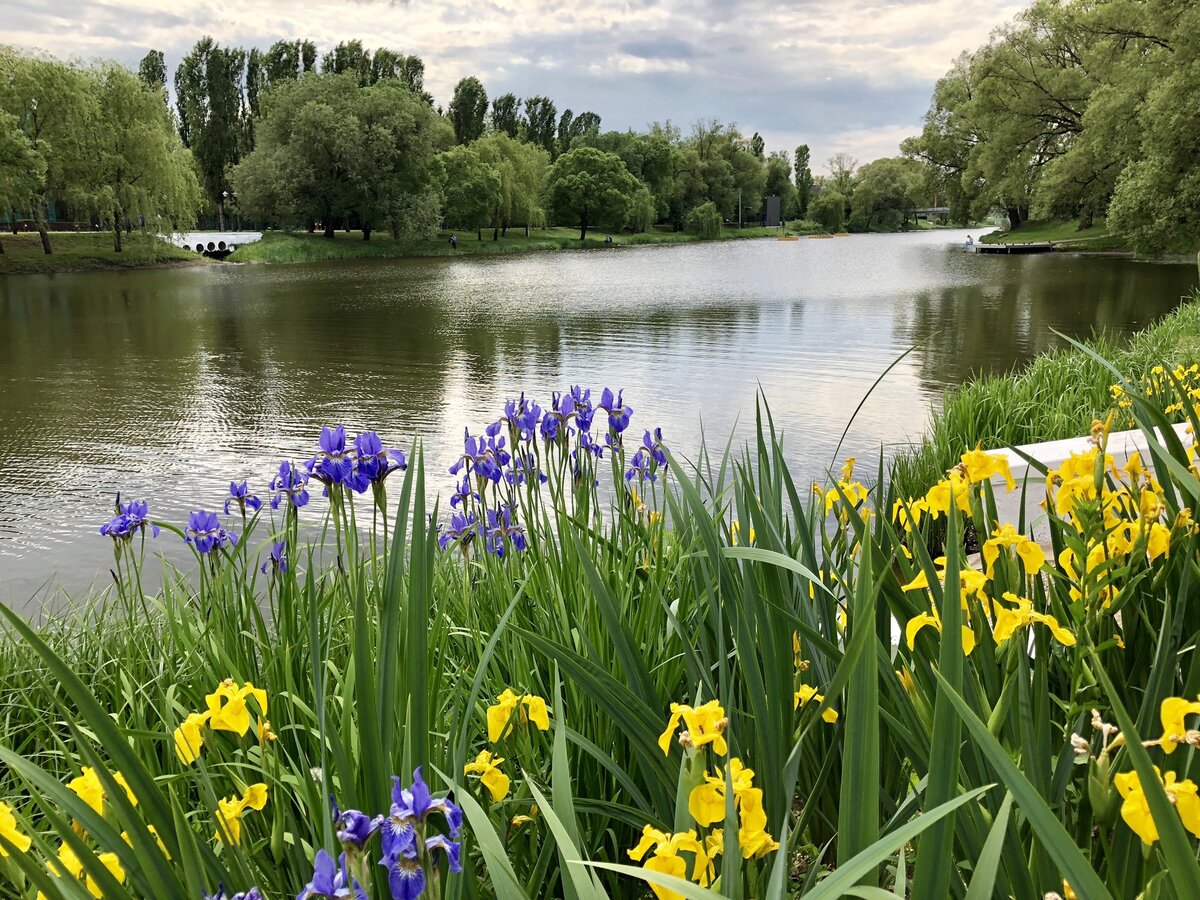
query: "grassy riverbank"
1064, 234
693, 672
1056, 397
301, 247
88, 251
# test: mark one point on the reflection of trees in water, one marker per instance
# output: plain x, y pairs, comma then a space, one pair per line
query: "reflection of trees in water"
993, 327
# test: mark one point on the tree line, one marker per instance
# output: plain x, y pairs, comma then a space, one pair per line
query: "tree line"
1078, 109
350, 138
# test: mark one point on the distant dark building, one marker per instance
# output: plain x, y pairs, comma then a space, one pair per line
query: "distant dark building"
771, 212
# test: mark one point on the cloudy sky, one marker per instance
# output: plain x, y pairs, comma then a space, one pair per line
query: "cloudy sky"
840, 75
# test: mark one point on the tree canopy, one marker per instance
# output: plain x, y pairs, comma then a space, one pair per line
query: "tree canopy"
588, 186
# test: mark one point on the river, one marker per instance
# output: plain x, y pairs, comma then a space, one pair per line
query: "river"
165, 384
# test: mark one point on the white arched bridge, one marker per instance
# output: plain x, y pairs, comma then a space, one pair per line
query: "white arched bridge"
213, 243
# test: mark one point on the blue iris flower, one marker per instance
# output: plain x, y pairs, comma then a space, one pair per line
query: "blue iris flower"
618, 412
406, 876
252, 894
411, 807
332, 464
292, 483
584, 411
204, 532
354, 828
522, 417
463, 528
560, 413
330, 880
524, 466
463, 493
240, 494
485, 456
641, 467
277, 561
502, 533
373, 462
131, 518
654, 446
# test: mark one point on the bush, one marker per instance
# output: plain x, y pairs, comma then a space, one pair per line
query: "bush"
704, 221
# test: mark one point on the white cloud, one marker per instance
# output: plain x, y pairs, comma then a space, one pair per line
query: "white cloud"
853, 75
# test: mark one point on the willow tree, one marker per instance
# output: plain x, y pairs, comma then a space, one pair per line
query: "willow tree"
22, 169
522, 169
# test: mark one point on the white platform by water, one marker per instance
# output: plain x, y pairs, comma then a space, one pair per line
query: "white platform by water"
213, 241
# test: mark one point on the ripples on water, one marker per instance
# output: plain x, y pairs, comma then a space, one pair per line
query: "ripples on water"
166, 384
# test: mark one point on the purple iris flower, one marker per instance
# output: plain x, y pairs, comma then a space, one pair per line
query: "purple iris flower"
240, 494
562, 410
618, 412
410, 807
485, 456
654, 446
252, 894
355, 828
584, 411
641, 467
277, 561
463, 493
452, 849
406, 875
332, 464
131, 517
524, 466
292, 483
589, 444
373, 462
501, 532
522, 417
330, 880
204, 532
463, 528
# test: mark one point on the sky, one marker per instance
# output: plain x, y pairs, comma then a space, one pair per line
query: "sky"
839, 75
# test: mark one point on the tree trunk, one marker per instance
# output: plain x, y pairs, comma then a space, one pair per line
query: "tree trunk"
366, 230
39, 214
1, 248
312, 227
526, 229
583, 225
13, 222
221, 214
116, 231
495, 233
1014, 217
504, 229
329, 230
1085, 221
479, 233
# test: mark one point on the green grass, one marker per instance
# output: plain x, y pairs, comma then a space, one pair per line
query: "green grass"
302, 247
1057, 396
77, 252
1064, 233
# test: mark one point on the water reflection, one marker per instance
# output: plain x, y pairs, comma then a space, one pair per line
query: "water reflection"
167, 384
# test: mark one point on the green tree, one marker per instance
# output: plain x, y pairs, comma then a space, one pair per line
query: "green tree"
778, 183
804, 179
348, 57
472, 189
506, 115
209, 103
704, 221
468, 109
828, 207
522, 168
55, 109
886, 193
641, 210
152, 70
539, 123
142, 171
589, 186
22, 169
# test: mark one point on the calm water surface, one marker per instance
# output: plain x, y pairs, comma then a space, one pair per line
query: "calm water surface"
166, 384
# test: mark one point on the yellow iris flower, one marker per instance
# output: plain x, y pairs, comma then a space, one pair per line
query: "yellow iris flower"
227, 711
229, 812
113, 864
531, 709
918, 622
937, 498
487, 767
1006, 535
11, 832
808, 692
704, 725
981, 466
1172, 711
706, 802
1008, 620
1135, 810
90, 789
666, 858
